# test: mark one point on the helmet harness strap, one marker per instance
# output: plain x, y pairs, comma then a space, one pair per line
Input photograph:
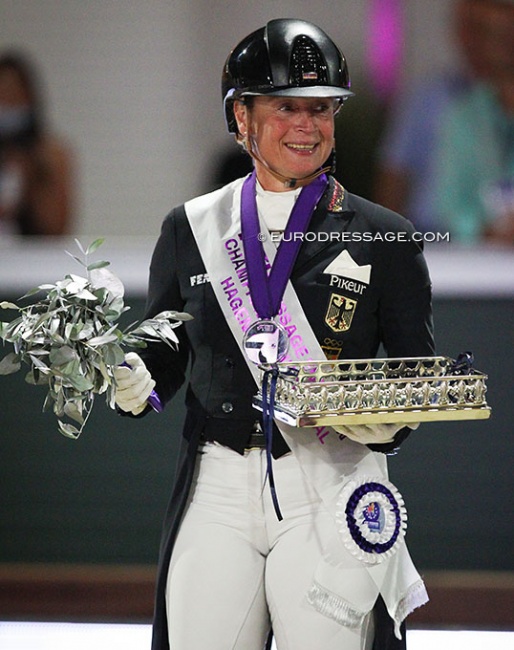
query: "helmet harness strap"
288, 182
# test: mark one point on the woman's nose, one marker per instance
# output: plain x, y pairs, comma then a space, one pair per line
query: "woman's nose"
304, 119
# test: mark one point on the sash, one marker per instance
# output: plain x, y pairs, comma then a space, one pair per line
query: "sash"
329, 463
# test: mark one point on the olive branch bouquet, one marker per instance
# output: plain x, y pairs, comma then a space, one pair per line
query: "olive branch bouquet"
71, 340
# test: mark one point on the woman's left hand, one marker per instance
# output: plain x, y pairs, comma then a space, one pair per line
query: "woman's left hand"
368, 434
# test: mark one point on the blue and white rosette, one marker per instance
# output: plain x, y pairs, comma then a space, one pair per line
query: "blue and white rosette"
371, 518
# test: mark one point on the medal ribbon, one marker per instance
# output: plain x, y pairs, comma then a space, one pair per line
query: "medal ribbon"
268, 405
267, 290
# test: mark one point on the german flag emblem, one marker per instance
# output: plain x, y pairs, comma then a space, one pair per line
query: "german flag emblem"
340, 313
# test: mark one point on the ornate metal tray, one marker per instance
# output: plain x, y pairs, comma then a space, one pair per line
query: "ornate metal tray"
371, 391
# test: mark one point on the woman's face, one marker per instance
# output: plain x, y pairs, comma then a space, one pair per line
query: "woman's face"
293, 135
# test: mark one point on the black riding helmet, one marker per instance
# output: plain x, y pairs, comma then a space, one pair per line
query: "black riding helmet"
287, 57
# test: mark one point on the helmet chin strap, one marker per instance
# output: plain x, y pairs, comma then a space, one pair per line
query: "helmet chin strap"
290, 183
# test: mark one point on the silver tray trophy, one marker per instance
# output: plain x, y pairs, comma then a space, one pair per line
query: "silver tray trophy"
373, 391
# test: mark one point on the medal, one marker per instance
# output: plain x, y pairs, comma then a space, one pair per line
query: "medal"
265, 342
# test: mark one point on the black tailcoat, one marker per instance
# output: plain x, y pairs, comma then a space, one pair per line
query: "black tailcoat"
393, 310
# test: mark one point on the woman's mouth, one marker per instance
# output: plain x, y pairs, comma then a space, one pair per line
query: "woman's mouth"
301, 147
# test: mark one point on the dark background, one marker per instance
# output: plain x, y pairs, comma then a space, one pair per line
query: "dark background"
101, 499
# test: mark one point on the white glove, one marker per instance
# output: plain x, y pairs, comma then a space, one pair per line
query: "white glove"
373, 434
134, 384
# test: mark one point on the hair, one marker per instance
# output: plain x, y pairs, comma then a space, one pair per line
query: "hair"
21, 64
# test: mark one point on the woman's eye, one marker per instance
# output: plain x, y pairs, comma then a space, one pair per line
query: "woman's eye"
324, 109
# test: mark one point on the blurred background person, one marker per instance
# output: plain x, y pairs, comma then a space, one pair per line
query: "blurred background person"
36, 175
416, 144
474, 158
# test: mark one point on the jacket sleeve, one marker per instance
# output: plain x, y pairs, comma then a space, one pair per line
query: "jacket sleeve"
405, 309
166, 365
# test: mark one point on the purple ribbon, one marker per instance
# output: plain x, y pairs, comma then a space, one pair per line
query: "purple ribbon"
268, 405
267, 290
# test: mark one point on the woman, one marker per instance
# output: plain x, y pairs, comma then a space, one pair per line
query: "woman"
237, 558
36, 185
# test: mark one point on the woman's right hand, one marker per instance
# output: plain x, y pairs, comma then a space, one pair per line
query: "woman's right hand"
134, 384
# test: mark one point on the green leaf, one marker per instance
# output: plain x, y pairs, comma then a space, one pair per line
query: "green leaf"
10, 364
14, 326
134, 341
113, 355
50, 397
97, 265
63, 355
85, 332
4, 328
73, 330
40, 320
54, 326
101, 385
68, 430
77, 259
79, 280
36, 378
59, 402
105, 279
117, 304
31, 292
37, 362
73, 409
85, 294
80, 247
68, 330
146, 328
112, 335
94, 245
79, 382
104, 372
175, 315
166, 330
5, 304
39, 353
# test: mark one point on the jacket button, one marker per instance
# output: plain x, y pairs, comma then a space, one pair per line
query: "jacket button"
229, 362
227, 407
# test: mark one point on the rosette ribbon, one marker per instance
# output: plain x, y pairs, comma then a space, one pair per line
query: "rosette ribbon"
371, 518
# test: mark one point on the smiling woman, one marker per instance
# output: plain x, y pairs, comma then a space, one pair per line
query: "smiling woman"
288, 137
274, 559
281, 103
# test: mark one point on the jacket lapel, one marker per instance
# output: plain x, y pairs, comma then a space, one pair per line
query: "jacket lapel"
332, 215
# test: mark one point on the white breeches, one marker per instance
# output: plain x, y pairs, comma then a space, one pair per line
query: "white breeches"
236, 570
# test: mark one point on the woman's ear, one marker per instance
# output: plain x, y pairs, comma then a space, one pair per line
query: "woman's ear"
241, 115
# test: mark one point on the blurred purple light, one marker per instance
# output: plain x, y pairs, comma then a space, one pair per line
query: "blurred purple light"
384, 45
